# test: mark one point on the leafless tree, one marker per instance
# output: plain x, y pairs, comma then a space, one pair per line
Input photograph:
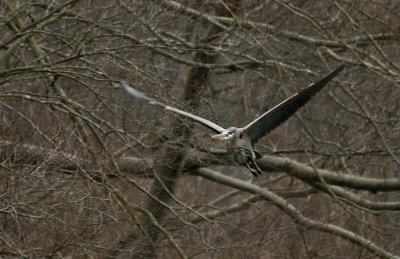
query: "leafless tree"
87, 170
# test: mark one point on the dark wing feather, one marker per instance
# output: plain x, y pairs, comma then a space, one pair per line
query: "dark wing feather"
209, 124
281, 112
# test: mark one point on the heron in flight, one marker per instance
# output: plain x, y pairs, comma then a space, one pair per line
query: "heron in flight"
240, 141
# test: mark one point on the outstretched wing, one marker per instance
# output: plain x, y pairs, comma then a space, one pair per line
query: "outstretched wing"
281, 112
209, 124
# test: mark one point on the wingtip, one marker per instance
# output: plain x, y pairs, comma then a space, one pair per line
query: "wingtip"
346, 62
125, 85
132, 90
342, 65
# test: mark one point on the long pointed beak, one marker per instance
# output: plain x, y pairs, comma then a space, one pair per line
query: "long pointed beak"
219, 136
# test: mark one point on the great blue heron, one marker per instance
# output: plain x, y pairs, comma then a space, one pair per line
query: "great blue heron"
240, 141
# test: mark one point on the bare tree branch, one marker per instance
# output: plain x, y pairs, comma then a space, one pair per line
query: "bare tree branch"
295, 214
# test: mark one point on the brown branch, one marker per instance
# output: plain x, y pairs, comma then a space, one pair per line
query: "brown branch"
61, 161
227, 21
245, 204
308, 174
294, 213
31, 154
356, 200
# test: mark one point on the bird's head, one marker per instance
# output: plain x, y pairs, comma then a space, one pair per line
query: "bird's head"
225, 135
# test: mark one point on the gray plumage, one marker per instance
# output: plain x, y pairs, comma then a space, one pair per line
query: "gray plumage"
240, 141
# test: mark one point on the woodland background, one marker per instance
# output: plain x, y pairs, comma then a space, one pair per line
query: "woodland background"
90, 172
